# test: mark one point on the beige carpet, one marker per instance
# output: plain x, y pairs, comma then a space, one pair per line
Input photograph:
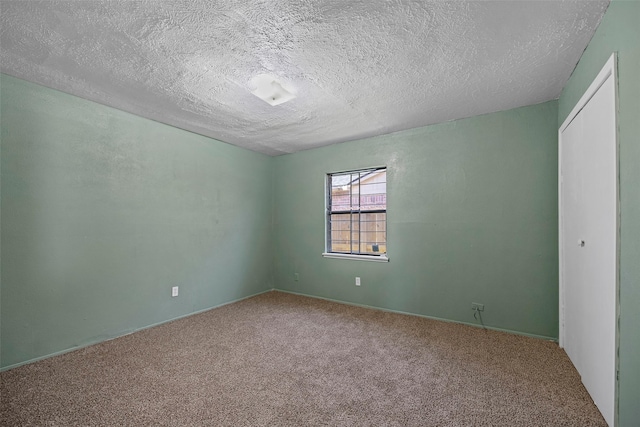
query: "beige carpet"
285, 360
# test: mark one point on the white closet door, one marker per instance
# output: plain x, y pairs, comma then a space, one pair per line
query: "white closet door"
588, 206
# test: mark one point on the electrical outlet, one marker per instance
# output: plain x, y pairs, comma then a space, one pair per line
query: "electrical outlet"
296, 276
174, 291
477, 307
357, 281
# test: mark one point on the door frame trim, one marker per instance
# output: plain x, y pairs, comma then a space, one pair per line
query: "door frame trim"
609, 70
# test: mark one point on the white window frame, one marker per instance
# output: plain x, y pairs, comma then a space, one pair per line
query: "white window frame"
351, 256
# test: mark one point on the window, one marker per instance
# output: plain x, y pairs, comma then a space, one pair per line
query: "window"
356, 214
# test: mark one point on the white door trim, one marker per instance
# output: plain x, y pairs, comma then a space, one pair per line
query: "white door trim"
609, 70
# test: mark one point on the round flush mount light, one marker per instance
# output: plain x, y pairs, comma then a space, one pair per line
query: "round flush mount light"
270, 90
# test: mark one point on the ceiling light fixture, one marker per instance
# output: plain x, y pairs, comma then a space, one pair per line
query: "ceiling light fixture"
270, 90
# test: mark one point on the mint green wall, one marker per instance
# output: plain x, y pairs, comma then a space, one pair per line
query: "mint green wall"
103, 211
472, 216
619, 31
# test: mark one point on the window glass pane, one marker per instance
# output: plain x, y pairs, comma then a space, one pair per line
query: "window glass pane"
355, 233
373, 232
373, 191
340, 191
340, 233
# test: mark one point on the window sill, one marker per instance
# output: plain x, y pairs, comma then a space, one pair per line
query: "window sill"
381, 258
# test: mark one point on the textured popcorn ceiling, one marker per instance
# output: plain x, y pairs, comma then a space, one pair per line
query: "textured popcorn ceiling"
357, 68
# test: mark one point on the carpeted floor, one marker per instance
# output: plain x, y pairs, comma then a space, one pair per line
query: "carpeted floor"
284, 360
